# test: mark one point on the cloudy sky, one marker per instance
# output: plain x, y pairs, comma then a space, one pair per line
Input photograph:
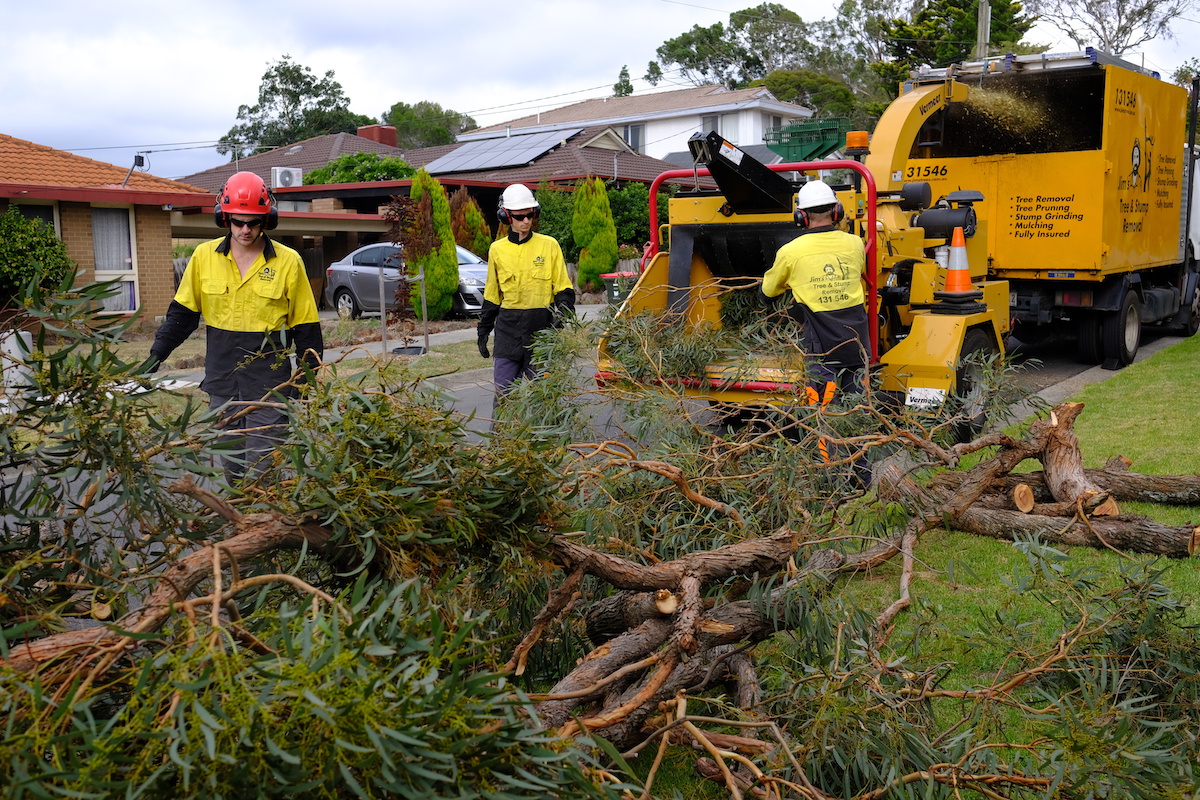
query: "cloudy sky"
107, 80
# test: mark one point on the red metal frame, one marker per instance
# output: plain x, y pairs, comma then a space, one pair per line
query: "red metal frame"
802, 166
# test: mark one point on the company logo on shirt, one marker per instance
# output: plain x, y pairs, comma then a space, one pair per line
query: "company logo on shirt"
539, 261
266, 274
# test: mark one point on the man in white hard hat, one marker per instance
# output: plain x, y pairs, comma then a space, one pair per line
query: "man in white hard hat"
824, 268
528, 289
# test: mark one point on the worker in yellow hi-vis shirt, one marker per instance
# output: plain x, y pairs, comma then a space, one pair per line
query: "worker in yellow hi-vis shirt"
824, 269
257, 305
528, 289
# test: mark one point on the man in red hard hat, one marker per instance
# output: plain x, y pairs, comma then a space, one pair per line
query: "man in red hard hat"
528, 289
257, 305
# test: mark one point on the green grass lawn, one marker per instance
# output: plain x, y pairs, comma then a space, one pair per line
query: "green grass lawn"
1145, 412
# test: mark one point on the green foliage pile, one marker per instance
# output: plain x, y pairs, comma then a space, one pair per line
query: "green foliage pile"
375, 696
361, 167
29, 250
440, 261
593, 230
371, 669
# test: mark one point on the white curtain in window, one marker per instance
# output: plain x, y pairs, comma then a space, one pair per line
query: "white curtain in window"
124, 300
110, 239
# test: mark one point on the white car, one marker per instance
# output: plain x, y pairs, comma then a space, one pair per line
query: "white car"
352, 283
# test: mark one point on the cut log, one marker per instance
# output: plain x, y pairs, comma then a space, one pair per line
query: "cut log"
1022, 498
1129, 532
1064, 463
1122, 485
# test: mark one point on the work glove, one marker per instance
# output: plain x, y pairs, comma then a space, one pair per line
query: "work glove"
483, 351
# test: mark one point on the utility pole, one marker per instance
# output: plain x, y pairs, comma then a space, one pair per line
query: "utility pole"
983, 30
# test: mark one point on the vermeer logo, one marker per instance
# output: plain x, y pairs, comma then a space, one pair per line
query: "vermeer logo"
932, 102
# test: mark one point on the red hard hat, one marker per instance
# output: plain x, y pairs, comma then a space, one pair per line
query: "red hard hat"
244, 193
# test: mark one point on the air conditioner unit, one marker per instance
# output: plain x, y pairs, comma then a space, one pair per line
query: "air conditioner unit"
282, 177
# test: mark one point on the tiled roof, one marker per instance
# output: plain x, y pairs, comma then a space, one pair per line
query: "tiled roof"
641, 105
306, 155
23, 162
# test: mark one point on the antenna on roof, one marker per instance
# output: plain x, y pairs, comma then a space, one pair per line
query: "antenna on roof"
138, 161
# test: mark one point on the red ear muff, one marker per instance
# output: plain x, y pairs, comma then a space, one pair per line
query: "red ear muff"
802, 219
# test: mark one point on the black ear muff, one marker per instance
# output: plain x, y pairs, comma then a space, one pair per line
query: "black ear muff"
801, 217
273, 215
503, 215
839, 212
219, 217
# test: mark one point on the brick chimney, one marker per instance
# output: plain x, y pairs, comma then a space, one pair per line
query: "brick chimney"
384, 134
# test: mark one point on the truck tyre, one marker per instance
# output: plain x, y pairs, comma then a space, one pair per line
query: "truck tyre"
1091, 341
1192, 325
970, 388
1122, 332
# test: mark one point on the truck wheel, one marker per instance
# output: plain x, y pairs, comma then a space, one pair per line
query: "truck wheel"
1122, 332
1091, 342
971, 385
1192, 325
345, 305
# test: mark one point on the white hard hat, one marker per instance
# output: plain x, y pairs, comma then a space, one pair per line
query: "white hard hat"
815, 194
516, 197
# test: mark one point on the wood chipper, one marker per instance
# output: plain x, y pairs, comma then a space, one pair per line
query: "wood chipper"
717, 239
1066, 173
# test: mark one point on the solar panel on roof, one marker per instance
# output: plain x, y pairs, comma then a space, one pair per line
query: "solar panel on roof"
509, 151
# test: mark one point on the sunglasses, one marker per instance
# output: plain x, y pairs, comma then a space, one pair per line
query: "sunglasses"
523, 217
245, 223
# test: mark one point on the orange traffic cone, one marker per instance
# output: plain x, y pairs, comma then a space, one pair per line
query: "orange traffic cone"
959, 297
958, 273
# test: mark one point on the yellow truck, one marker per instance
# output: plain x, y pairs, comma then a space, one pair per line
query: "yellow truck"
1067, 173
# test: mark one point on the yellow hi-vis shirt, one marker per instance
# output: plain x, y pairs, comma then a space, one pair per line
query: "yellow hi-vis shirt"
823, 269
252, 322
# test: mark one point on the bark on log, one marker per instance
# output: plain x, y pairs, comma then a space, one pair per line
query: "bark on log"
1128, 532
1064, 463
1115, 478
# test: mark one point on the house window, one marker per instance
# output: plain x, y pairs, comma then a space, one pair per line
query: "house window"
112, 247
635, 137
711, 122
44, 213
771, 122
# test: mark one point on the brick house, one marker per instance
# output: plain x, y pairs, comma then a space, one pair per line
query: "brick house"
115, 222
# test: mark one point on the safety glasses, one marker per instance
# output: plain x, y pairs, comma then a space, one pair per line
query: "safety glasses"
523, 217
245, 223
